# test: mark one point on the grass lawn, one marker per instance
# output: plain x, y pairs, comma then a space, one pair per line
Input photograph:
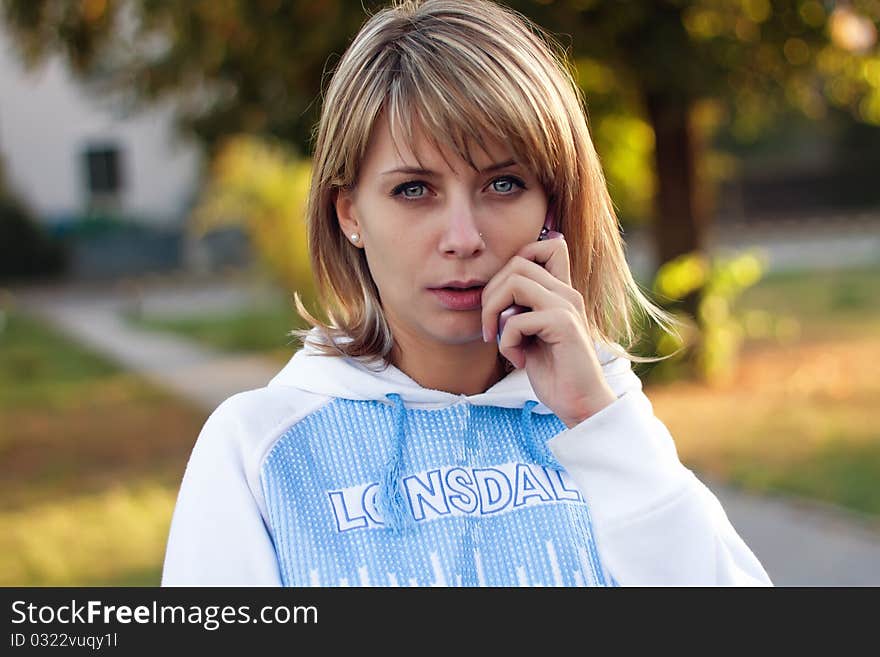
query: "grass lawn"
827, 306
263, 330
90, 462
800, 417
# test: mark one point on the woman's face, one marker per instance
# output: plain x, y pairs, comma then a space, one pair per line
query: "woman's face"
420, 229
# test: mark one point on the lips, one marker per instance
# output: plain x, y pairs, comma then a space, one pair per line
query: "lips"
458, 298
473, 282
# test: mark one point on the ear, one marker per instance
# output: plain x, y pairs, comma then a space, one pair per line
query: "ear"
345, 211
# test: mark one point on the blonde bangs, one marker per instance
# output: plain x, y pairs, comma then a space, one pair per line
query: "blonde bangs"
456, 91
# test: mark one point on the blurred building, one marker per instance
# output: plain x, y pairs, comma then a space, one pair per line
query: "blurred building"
77, 159
67, 154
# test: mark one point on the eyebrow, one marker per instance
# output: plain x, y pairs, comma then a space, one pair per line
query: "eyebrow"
427, 172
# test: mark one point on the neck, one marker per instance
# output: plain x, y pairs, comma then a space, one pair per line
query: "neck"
463, 369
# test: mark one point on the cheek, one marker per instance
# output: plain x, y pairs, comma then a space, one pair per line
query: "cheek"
518, 226
395, 270
403, 253
509, 243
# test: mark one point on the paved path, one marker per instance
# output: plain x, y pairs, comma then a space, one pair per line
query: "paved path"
805, 543
800, 543
93, 316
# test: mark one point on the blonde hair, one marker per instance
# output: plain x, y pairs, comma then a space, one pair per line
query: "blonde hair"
456, 69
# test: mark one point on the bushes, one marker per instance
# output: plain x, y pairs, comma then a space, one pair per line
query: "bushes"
262, 186
26, 251
701, 292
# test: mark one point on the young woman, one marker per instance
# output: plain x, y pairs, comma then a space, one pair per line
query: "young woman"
411, 441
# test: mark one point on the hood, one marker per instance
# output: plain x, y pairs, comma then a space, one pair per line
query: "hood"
349, 378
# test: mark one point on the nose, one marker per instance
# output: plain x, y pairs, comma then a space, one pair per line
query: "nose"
461, 235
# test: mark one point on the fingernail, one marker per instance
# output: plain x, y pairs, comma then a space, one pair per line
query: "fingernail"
554, 235
485, 337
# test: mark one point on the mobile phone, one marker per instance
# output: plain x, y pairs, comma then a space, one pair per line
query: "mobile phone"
548, 231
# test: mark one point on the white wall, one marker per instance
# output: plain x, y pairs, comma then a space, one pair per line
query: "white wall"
46, 122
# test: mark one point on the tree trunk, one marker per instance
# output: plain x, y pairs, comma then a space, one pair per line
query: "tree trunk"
679, 221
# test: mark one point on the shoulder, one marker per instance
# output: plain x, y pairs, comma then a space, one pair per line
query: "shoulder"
244, 427
248, 419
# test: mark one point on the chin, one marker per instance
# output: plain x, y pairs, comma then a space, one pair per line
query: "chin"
458, 332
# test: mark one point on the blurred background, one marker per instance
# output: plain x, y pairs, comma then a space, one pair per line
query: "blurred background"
154, 162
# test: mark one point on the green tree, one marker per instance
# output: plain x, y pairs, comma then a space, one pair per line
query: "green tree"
687, 66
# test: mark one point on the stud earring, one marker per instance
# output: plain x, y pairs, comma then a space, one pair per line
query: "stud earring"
355, 237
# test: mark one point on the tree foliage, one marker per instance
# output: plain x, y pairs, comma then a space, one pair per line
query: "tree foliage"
263, 186
258, 65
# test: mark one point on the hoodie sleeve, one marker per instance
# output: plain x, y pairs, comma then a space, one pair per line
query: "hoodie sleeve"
656, 523
218, 536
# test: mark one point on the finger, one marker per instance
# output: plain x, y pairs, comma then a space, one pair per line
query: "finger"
499, 292
516, 289
542, 255
539, 273
531, 267
545, 325
552, 254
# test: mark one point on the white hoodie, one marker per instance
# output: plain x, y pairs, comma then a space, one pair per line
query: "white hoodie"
338, 474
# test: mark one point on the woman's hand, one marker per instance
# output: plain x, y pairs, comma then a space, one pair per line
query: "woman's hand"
560, 359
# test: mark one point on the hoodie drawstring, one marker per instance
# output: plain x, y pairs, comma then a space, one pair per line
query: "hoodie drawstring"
538, 450
391, 502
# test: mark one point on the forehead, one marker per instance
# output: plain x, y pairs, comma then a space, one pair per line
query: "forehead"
393, 148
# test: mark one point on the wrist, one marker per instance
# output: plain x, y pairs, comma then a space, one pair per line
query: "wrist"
590, 406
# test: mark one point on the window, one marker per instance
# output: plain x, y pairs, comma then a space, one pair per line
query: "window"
103, 171
103, 178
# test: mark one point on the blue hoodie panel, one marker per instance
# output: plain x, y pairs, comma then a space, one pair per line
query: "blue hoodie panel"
482, 510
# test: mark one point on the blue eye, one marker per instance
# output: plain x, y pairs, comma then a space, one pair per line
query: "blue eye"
412, 189
505, 185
